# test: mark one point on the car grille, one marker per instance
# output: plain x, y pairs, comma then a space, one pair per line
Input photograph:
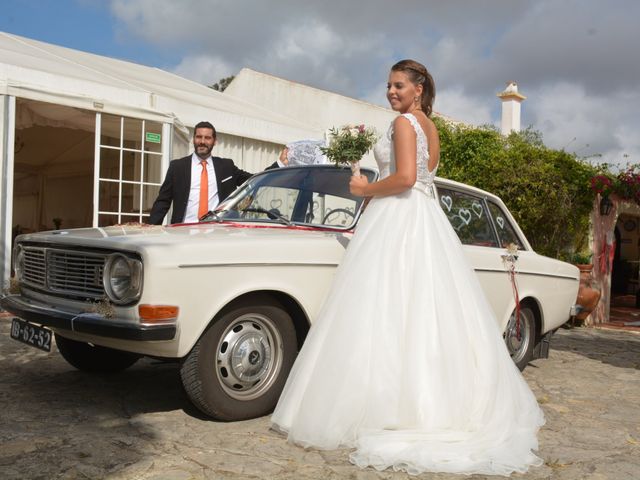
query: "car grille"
66, 272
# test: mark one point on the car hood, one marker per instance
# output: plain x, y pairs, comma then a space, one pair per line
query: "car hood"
208, 242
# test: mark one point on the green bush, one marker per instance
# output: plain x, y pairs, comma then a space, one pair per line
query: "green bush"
546, 190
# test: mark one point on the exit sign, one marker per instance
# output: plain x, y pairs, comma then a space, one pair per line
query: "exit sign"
152, 137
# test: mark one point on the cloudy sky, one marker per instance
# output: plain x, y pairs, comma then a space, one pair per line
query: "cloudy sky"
577, 61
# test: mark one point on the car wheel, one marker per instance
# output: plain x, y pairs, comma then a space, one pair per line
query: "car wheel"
94, 358
521, 346
238, 367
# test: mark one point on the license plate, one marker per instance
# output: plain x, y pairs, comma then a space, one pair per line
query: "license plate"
31, 334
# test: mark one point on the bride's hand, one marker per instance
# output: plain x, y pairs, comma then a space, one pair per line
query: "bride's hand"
358, 185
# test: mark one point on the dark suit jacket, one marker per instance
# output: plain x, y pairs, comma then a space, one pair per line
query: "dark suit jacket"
177, 184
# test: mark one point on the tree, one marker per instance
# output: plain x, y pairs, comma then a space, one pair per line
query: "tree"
546, 190
222, 84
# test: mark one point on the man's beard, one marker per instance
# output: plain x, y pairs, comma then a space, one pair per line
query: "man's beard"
205, 154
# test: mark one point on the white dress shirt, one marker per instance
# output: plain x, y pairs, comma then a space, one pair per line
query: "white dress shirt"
191, 215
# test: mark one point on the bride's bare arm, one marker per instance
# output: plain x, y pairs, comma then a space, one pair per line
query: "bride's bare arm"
404, 147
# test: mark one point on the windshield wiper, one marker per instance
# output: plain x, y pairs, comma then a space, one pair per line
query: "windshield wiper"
269, 213
210, 215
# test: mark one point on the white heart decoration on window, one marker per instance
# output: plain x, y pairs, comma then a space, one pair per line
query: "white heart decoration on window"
500, 222
447, 202
464, 215
477, 209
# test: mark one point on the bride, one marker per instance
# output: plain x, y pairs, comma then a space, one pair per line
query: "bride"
406, 362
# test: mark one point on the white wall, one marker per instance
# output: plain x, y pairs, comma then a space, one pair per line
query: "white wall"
306, 104
315, 107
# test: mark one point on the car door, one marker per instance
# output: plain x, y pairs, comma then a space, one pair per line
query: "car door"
484, 237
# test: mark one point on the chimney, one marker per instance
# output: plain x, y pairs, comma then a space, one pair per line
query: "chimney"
511, 101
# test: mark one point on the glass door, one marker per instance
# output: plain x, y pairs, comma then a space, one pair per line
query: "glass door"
128, 168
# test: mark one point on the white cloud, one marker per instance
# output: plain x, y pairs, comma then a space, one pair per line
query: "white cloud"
629, 140
454, 103
571, 118
311, 39
161, 22
565, 112
204, 69
576, 60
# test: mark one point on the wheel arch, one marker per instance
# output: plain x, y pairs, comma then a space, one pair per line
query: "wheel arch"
534, 305
300, 318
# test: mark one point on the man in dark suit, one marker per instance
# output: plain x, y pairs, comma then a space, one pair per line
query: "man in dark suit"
197, 183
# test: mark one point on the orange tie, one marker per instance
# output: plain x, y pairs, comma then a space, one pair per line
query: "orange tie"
203, 206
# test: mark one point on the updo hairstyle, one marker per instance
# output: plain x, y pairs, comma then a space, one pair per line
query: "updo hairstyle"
419, 75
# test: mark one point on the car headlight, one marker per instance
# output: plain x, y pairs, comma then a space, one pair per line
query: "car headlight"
18, 261
122, 278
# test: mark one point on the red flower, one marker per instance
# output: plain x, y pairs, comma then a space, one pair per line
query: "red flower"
601, 184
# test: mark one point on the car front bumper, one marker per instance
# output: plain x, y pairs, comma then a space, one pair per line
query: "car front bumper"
87, 323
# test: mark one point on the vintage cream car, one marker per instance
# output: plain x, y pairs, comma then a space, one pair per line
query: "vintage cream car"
233, 297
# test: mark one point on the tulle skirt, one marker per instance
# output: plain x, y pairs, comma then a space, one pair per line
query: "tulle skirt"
405, 362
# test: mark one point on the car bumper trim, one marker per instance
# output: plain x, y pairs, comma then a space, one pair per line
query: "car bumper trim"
89, 323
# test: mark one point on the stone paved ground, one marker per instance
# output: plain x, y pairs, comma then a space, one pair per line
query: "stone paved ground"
58, 423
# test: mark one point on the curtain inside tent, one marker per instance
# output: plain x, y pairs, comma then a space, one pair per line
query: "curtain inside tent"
53, 169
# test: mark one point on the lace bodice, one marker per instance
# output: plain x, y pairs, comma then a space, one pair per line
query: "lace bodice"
384, 155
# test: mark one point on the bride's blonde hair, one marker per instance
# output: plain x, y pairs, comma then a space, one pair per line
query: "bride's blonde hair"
419, 75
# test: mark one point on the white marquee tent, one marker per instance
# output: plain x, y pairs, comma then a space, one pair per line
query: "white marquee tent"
58, 75
70, 119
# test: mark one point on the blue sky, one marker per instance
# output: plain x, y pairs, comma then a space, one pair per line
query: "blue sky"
82, 25
577, 61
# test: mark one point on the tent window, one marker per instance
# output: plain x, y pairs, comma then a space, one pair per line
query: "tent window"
130, 159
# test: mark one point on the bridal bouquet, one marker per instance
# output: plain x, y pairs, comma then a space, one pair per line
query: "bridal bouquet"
348, 144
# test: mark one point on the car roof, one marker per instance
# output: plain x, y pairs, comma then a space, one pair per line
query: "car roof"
463, 186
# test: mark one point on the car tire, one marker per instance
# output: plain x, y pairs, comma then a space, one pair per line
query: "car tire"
94, 358
521, 349
238, 367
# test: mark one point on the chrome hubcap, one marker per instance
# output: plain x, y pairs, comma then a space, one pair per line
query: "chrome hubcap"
518, 346
249, 356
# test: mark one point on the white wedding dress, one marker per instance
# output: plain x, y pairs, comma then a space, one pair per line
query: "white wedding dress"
405, 361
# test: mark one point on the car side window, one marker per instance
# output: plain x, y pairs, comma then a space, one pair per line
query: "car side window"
331, 210
506, 232
468, 216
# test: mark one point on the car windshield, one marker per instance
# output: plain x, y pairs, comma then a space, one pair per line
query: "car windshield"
311, 195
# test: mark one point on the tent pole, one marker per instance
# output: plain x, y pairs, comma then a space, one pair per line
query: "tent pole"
7, 157
96, 169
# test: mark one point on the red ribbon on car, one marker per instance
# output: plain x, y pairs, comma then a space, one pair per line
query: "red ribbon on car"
516, 296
